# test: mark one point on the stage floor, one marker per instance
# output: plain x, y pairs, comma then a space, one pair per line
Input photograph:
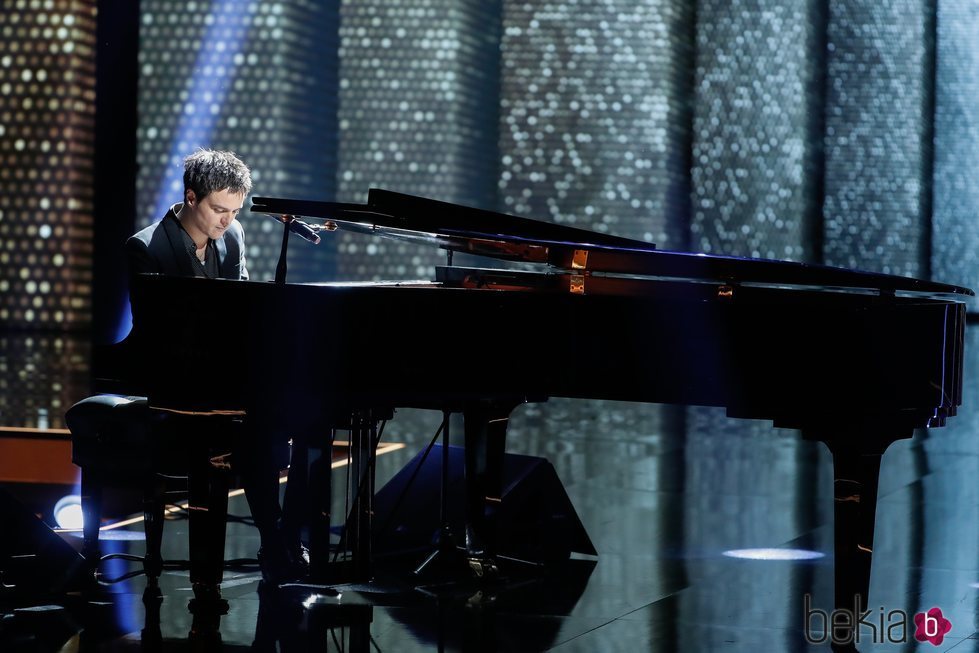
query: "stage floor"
671, 499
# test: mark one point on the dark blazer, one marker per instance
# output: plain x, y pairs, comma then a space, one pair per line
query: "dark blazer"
159, 248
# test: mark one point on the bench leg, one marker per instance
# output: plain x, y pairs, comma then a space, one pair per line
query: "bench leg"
92, 518
153, 508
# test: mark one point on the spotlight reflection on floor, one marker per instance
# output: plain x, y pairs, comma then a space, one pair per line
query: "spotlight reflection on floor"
773, 554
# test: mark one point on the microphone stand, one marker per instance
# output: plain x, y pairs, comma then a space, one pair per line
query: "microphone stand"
280, 268
291, 223
446, 553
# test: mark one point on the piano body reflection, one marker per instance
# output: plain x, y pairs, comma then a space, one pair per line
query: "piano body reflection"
854, 359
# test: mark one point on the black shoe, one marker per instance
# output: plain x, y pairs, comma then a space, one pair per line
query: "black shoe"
274, 565
299, 557
280, 565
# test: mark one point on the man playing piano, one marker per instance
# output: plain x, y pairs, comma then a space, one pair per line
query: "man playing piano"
201, 237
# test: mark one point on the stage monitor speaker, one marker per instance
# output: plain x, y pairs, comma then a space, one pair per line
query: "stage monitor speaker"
34, 560
535, 520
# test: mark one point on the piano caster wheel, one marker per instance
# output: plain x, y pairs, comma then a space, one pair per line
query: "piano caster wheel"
483, 568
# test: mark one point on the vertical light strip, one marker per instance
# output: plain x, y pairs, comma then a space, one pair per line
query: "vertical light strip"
210, 81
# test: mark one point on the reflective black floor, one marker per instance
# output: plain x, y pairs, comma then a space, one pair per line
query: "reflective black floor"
666, 496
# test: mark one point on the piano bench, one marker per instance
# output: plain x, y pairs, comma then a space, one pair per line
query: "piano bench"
122, 442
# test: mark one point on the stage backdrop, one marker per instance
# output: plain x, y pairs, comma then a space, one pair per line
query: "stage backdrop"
835, 132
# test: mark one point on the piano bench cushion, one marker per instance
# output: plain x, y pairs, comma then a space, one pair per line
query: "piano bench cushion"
123, 436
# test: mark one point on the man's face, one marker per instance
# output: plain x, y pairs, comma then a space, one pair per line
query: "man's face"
212, 215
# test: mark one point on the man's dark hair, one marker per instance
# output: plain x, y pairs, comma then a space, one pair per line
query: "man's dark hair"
207, 171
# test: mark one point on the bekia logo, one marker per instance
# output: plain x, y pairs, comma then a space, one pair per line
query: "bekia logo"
843, 626
931, 626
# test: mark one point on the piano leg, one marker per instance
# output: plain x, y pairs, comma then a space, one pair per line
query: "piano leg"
208, 506
855, 475
153, 508
485, 446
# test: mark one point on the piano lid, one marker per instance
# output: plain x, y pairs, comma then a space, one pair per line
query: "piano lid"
449, 226
499, 235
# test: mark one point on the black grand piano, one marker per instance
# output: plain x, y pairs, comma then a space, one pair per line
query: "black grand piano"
854, 359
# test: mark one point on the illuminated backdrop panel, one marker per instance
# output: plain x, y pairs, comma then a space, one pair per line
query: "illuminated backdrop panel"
595, 122
47, 130
757, 129
877, 124
418, 111
955, 246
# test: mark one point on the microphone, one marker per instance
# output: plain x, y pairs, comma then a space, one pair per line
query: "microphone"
304, 231
299, 228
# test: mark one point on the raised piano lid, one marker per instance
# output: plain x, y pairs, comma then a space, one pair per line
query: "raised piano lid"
499, 235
